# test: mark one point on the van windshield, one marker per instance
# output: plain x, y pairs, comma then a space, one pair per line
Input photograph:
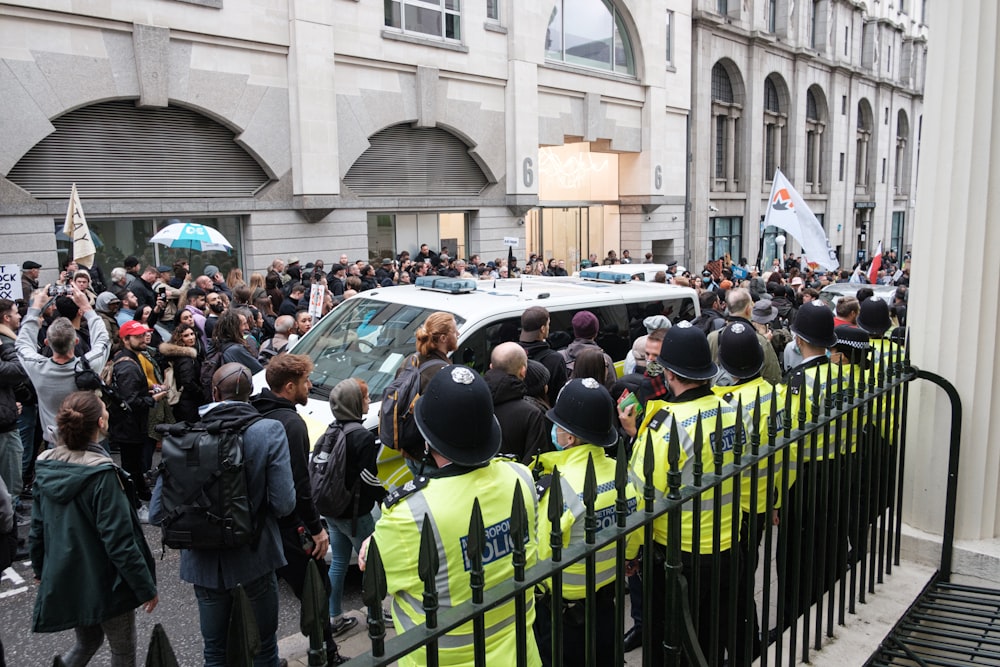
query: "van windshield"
364, 339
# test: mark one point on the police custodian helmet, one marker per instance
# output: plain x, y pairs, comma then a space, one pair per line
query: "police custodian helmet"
585, 409
740, 353
814, 324
685, 352
455, 416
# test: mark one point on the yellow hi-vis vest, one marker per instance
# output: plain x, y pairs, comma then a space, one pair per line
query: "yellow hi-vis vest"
572, 464
802, 380
885, 352
447, 503
659, 416
771, 398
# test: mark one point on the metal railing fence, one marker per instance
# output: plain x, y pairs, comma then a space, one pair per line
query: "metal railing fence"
830, 465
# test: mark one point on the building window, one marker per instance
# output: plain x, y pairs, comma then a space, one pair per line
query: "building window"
722, 6
772, 16
493, 10
900, 181
589, 33
843, 161
775, 125
434, 18
119, 237
725, 237
847, 38
863, 137
898, 228
815, 126
726, 127
883, 170
888, 58
670, 37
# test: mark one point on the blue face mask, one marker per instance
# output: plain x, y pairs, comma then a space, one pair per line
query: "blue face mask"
555, 442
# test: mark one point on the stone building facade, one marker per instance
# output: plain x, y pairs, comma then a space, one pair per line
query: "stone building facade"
316, 127
830, 92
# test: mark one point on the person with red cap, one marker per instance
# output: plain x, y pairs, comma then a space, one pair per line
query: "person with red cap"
129, 430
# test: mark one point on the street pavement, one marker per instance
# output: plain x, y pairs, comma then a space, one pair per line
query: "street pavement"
177, 612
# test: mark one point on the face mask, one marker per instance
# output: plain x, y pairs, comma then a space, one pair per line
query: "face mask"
653, 368
555, 442
217, 307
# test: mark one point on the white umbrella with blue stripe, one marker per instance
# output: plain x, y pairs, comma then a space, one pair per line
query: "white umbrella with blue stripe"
192, 236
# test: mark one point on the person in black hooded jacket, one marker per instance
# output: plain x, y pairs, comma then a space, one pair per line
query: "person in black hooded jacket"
521, 422
349, 402
534, 331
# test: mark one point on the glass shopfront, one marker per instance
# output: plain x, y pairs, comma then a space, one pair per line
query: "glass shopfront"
116, 239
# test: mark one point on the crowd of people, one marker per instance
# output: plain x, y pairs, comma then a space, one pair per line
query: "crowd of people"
145, 337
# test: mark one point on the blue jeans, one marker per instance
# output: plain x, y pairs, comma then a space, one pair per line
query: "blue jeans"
215, 607
341, 545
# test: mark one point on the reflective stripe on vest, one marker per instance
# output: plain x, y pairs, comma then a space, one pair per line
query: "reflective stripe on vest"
686, 413
447, 503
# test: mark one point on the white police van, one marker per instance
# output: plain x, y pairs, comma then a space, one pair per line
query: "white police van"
369, 335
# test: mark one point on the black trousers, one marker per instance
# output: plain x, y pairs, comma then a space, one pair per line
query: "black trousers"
133, 456
295, 574
574, 629
705, 622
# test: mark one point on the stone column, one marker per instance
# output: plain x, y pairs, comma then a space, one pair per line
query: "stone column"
312, 99
817, 140
779, 127
954, 321
730, 153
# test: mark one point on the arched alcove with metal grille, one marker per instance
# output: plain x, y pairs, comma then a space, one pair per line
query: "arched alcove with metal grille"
115, 150
407, 161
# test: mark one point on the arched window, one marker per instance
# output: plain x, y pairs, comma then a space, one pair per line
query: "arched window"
815, 126
775, 126
901, 179
726, 130
589, 33
866, 124
116, 150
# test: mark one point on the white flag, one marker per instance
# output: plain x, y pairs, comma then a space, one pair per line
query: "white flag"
787, 210
76, 229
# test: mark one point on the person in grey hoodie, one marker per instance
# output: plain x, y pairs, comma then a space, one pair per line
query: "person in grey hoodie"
55, 378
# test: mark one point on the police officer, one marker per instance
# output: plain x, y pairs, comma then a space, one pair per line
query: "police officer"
852, 355
689, 369
742, 357
583, 426
464, 469
806, 531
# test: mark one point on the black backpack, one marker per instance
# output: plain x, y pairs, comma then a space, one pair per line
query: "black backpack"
205, 495
333, 493
396, 427
208, 367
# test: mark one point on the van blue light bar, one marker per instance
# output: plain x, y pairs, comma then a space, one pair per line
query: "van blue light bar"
605, 276
446, 285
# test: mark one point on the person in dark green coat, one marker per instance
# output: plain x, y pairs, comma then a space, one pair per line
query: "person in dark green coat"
87, 549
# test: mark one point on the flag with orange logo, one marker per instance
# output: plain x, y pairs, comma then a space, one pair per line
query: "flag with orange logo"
82, 243
788, 211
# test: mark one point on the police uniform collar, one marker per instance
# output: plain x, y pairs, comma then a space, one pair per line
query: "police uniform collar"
452, 470
818, 360
693, 394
